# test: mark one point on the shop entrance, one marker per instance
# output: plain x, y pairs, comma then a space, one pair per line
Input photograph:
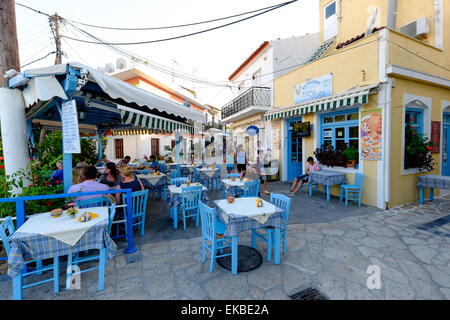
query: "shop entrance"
295, 150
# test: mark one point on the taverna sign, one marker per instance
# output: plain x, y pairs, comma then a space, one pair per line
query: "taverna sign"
314, 89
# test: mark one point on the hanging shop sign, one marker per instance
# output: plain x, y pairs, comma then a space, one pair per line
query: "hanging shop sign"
371, 135
252, 131
70, 132
314, 89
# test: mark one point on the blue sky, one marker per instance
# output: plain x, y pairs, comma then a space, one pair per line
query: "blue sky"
214, 55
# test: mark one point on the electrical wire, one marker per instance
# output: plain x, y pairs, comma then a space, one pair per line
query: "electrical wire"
176, 26
29, 8
184, 35
36, 53
38, 59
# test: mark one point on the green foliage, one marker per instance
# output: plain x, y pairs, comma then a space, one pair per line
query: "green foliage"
51, 150
417, 150
351, 153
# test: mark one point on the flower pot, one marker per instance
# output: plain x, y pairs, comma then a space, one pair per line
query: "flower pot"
351, 163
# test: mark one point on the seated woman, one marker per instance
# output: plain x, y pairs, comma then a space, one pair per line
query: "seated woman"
111, 176
128, 182
312, 166
77, 175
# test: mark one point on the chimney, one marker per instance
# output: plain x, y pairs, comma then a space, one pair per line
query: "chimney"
392, 14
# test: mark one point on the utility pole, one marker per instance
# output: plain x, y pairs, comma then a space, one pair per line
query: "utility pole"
57, 35
9, 47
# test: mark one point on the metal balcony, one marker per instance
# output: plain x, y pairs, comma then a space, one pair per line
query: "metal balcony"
253, 97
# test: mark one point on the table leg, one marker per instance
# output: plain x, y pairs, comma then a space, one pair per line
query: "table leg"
276, 251
102, 268
310, 189
55, 274
165, 193
328, 193
175, 216
431, 194
421, 195
234, 254
17, 287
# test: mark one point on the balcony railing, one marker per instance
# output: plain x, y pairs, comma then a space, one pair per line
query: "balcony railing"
255, 96
214, 125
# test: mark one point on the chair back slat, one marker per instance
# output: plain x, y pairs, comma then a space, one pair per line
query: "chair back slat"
6, 231
359, 178
173, 174
282, 202
251, 188
94, 202
190, 197
178, 181
112, 213
139, 202
233, 175
208, 220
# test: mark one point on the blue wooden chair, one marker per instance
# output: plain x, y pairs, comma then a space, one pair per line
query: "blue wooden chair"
173, 174
314, 184
93, 202
233, 175
162, 167
189, 207
251, 188
284, 203
217, 179
76, 259
139, 201
212, 235
352, 190
195, 174
7, 229
178, 181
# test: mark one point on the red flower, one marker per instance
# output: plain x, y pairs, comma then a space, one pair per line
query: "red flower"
2, 167
49, 203
430, 148
30, 186
1, 158
415, 132
57, 181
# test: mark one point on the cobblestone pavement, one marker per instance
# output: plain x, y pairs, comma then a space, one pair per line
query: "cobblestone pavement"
329, 247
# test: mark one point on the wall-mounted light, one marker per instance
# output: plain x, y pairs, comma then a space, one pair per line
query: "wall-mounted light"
82, 114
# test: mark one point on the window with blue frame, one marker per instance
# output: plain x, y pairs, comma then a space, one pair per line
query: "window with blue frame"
414, 128
340, 129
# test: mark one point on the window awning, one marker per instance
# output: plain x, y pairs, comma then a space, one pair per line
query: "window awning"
142, 120
342, 99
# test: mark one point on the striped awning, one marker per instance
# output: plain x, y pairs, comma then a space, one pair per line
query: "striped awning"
141, 121
338, 100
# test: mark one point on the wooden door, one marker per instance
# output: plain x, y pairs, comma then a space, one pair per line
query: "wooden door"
155, 147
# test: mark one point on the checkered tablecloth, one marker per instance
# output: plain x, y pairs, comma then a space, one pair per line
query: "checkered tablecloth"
26, 246
174, 198
236, 223
152, 181
327, 178
434, 181
208, 174
233, 188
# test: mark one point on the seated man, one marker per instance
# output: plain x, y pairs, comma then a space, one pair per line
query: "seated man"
58, 175
155, 163
124, 161
89, 184
312, 166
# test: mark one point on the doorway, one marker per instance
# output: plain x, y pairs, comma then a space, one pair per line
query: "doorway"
155, 147
295, 150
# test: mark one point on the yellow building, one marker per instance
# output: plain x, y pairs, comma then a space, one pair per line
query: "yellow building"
381, 73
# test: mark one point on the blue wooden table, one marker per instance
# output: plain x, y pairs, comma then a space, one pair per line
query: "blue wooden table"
432, 181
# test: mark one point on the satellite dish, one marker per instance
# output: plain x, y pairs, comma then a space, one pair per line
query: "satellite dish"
121, 63
109, 67
371, 23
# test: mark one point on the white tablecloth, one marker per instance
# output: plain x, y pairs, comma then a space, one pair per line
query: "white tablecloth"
208, 172
63, 228
246, 207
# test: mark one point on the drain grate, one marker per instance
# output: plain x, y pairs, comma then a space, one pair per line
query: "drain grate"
308, 294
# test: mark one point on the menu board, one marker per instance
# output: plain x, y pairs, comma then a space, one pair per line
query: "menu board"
436, 136
71, 135
371, 138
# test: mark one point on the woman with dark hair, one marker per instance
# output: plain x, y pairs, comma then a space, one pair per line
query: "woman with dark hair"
111, 176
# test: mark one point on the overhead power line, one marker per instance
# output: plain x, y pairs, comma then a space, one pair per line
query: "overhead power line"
173, 26
184, 35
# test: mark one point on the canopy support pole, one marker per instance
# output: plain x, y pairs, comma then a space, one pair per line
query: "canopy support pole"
177, 150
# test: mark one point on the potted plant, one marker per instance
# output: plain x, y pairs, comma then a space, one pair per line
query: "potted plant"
351, 153
329, 156
418, 150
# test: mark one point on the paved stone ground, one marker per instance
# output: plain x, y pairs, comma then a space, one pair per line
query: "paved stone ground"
329, 247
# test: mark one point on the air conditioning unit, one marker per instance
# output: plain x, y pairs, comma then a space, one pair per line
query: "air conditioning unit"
417, 29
